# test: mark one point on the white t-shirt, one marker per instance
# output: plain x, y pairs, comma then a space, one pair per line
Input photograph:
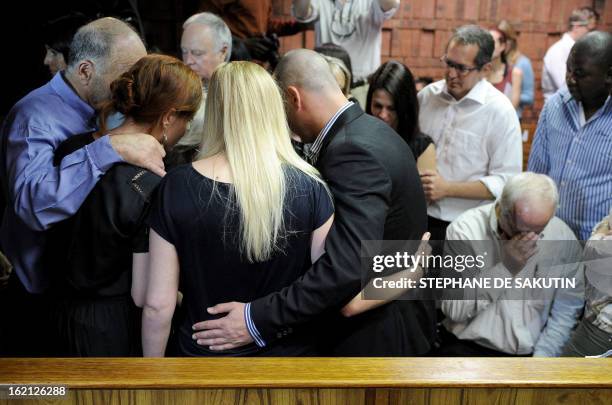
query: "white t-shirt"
361, 20
555, 60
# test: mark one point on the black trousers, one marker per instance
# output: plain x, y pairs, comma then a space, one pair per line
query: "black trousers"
97, 327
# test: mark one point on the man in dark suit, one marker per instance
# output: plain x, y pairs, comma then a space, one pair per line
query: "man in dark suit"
378, 195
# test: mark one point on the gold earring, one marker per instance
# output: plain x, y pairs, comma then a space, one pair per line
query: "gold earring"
164, 138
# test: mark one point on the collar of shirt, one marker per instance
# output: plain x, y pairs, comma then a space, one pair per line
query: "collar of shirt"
493, 222
571, 103
478, 93
67, 93
313, 152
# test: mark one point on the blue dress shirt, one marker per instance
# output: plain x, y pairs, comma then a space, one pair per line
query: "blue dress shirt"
40, 194
578, 158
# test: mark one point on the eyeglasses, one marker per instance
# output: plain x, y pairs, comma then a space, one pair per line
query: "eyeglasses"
459, 68
343, 21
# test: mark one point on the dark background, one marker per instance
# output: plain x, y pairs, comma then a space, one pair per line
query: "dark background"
23, 48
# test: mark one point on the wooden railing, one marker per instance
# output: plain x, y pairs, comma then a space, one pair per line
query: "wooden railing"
430, 381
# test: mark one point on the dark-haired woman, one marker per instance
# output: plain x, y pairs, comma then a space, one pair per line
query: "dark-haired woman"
505, 77
392, 98
94, 252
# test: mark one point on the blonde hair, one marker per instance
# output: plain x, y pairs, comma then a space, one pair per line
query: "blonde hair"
245, 119
338, 68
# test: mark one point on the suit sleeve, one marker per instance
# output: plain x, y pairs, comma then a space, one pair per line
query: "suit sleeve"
361, 189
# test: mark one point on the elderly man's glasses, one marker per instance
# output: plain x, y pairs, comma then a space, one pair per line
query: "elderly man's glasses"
459, 68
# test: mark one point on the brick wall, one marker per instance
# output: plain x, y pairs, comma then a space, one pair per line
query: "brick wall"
419, 31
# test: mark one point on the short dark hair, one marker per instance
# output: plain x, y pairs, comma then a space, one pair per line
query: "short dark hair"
598, 46
475, 35
397, 80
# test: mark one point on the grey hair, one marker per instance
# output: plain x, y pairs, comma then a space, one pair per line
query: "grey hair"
475, 35
94, 41
220, 30
528, 184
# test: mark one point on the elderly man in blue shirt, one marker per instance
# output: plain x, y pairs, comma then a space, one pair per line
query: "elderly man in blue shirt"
573, 141
39, 194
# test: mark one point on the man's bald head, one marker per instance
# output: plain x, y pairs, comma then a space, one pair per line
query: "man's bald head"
597, 46
99, 53
307, 70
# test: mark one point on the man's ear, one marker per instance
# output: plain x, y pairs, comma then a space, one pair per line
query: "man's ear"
486, 68
86, 71
294, 97
224, 52
608, 79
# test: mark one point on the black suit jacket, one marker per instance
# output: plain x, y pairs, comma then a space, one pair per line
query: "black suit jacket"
378, 195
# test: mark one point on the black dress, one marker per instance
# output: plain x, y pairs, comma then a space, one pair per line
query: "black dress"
91, 257
196, 215
419, 144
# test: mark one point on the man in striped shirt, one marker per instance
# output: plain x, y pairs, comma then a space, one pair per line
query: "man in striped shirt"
573, 141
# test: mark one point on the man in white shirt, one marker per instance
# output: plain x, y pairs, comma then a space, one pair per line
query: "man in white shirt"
206, 43
516, 321
355, 25
475, 129
581, 22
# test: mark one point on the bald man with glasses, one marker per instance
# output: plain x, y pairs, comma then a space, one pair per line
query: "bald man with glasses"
475, 129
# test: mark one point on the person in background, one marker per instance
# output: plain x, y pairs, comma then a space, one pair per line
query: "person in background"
593, 336
245, 219
475, 129
336, 51
572, 141
392, 97
515, 58
581, 22
58, 34
341, 73
421, 82
356, 25
94, 252
206, 43
503, 76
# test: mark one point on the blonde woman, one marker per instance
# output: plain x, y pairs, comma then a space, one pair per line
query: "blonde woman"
244, 220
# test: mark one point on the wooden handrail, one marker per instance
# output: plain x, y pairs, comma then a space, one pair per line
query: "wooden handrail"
182, 373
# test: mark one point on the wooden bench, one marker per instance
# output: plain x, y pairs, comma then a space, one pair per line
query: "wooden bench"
445, 381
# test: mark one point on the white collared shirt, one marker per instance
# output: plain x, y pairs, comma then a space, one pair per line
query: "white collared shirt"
519, 325
554, 67
364, 44
477, 138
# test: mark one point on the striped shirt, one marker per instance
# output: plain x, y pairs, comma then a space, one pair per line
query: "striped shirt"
313, 152
578, 157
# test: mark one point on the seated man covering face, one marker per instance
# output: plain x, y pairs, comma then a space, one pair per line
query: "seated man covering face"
525, 244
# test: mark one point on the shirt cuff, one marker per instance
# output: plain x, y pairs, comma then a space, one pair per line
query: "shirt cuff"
102, 154
495, 184
251, 326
